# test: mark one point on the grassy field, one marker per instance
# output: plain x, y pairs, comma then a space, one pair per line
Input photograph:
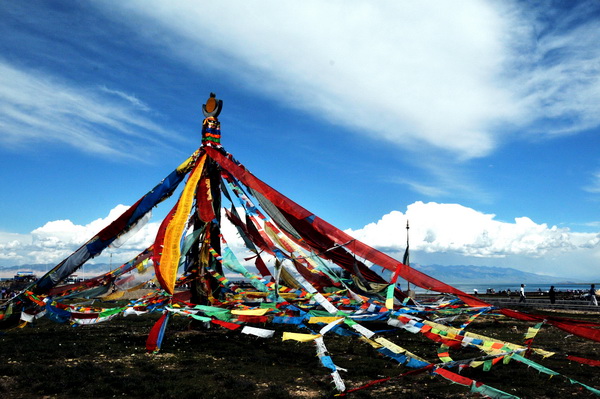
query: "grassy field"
109, 360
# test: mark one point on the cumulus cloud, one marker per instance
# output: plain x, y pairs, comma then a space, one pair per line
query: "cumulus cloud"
453, 228
10, 245
450, 230
57, 239
66, 233
455, 77
39, 108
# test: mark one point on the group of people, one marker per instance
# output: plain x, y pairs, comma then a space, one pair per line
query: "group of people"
552, 294
6, 293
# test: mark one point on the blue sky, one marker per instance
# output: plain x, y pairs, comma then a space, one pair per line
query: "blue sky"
478, 121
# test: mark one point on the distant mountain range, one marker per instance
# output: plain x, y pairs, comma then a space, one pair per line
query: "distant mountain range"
487, 274
41, 268
448, 274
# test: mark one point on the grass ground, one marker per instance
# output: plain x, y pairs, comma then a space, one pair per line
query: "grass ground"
109, 360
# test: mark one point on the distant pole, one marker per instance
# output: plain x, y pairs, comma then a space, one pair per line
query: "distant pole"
406, 259
407, 228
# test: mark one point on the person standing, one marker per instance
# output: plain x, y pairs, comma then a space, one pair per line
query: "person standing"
552, 294
522, 294
593, 300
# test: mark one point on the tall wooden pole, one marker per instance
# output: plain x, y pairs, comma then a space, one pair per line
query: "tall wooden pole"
203, 284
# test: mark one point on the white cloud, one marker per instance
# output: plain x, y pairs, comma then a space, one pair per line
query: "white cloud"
131, 98
442, 178
560, 59
424, 189
433, 73
40, 108
402, 72
457, 230
594, 186
57, 239
10, 247
66, 233
447, 231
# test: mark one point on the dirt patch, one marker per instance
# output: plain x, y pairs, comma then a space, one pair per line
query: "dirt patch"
109, 360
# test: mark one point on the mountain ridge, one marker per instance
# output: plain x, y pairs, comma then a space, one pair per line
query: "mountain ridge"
487, 274
446, 273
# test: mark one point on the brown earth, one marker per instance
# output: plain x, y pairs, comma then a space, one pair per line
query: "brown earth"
50, 360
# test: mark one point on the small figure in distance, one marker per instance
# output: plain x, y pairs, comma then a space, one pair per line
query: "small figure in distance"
593, 300
552, 294
522, 294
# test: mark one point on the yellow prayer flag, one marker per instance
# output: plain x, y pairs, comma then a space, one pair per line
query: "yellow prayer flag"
166, 270
300, 337
187, 164
250, 312
326, 320
370, 342
389, 303
390, 345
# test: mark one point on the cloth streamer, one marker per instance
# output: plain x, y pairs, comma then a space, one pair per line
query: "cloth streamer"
168, 241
